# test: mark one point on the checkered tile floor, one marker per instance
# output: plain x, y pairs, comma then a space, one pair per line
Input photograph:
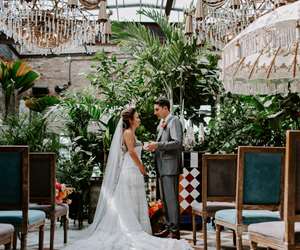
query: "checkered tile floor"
227, 243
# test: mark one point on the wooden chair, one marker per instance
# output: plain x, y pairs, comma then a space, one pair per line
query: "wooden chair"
6, 235
42, 191
218, 189
14, 195
259, 191
284, 234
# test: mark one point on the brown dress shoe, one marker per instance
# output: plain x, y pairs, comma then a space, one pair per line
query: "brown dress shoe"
162, 234
174, 235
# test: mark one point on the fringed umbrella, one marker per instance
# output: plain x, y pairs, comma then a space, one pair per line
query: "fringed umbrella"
265, 57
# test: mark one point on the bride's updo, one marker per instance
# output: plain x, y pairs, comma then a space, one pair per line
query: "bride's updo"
127, 115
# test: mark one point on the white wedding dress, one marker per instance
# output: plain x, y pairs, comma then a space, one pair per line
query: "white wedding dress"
121, 221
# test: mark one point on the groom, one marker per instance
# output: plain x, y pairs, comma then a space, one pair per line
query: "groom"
168, 148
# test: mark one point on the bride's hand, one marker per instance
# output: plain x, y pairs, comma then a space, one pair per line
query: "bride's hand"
143, 170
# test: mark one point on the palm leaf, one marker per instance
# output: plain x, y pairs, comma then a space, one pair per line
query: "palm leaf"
26, 82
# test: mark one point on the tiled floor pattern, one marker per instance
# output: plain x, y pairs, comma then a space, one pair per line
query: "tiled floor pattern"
227, 243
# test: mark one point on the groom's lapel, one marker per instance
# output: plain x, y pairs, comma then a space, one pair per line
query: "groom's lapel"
159, 133
161, 130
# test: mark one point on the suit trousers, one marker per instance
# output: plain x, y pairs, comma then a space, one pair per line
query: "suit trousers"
169, 190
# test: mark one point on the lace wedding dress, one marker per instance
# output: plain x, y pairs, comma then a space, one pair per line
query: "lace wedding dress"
121, 221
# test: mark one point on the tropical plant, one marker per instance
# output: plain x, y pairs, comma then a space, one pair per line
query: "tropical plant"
20, 130
15, 78
40, 104
175, 66
74, 113
253, 120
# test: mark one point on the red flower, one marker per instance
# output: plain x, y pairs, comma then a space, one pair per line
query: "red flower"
163, 124
154, 207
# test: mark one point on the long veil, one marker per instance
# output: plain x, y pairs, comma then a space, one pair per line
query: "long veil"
110, 180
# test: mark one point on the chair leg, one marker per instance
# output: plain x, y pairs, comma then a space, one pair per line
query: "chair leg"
52, 232
218, 237
234, 237
41, 237
204, 230
194, 228
15, 238
66, 226
253, 245
239, 241
7, 246
23, 241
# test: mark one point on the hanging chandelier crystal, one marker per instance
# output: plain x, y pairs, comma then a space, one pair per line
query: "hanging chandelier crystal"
219, 21
55, 25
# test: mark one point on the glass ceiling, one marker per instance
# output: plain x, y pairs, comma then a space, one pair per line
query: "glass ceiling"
126, 10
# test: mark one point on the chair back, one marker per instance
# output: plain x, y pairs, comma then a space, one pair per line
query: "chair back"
42, 178
218, 177
14, 174
260, 178
292, 184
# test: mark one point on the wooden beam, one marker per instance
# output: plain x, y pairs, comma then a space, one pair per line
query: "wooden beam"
168, 8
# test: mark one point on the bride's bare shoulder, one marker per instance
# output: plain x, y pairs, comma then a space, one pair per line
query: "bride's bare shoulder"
128, 133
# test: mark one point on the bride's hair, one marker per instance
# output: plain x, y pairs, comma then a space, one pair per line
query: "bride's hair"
127, 115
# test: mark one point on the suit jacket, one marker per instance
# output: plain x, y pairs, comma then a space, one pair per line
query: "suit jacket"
169, 151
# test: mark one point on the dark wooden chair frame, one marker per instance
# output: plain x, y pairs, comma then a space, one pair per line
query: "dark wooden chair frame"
205, 214
239, 227
290, 214
50, 200
25, 200
7, 240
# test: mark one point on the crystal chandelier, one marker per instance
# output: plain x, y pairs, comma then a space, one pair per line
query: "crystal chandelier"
55, 25
219, 21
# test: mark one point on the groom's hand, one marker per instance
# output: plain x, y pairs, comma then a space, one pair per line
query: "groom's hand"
152, 146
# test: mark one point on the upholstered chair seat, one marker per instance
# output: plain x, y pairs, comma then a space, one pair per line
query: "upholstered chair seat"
60, 209
6, 235
15, 217
213, 206
249, 216
6, 229
274, 230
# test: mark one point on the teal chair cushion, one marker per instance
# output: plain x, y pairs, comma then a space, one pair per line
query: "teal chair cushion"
262, 178
15, 217
249, 216
10, 183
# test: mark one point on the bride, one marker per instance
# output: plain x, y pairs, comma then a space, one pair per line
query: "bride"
121, 220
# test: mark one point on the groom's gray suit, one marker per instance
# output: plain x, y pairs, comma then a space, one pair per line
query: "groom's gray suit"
169, 166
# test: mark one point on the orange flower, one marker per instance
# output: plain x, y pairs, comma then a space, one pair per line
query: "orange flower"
154, 207
23, 69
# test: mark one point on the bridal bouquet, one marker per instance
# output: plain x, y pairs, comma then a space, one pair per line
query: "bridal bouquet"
156, 216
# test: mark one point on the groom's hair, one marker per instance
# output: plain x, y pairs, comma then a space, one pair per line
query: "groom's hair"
163, 102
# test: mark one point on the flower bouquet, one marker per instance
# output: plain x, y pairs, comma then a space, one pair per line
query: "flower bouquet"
61, 193
156, 216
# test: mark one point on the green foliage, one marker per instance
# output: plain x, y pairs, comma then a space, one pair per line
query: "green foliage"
253, 120
77, 168
20, 130
42, 103
180, 70
75, 112
121, 83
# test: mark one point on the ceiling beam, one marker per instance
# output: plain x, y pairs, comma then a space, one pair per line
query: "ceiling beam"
168, 8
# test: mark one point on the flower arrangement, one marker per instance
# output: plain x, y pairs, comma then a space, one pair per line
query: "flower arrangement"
154, 207
156, 215
61, 193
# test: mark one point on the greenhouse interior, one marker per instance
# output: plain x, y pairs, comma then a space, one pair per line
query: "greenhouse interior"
149, 124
